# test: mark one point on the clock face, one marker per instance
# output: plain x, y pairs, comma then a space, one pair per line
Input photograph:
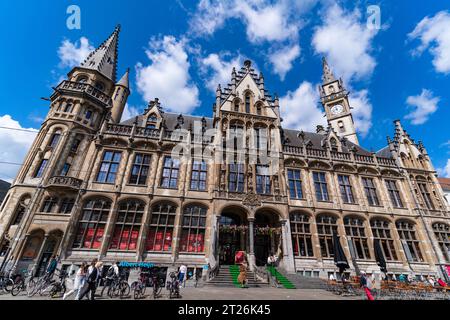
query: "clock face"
337, 109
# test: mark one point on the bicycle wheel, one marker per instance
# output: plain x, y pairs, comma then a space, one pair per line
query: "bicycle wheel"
17, 288
124, 290
30, 287
8, 285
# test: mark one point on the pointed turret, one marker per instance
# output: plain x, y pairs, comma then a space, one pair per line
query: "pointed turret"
120, 97
328, 75
104, 58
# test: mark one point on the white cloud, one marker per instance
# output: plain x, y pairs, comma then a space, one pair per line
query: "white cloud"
423, 106
73, 54
346, 42
217, 70
167, 77
444, 172
300, 109
283, 59
362, 111
14, 145
275, 22
129, 112
434, 34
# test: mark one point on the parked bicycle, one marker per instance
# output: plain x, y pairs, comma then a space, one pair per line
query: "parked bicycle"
140, 286
119, 287
157, 284
41, 286
6, 283
173, 286
58, 288
22, 282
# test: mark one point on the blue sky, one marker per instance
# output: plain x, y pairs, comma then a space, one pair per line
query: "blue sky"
399, 71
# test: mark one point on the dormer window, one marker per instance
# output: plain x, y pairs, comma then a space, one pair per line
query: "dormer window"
259, 110
150, 126
236, 106
247, 103
153, 118
82, 79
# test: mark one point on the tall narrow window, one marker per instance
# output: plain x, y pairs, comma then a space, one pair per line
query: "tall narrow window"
160, 233
194, 227
371, 191
301, 235
109, 167
346, 189
67, 205
41, 169
263, 183
259, 110
426, 196
247, 103
65, 170
198, 175
170, 173
91, 227
295, 184
75, 145
394, 194
442, 233
68, 108
354, 228
20, 212
236, 178
381, 231
128, 225
326, 227
320, 185
55, 139
140, 169
407, 233
236, 106
49, 204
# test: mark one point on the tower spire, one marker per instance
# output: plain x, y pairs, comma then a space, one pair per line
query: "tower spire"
328, 75
104, 58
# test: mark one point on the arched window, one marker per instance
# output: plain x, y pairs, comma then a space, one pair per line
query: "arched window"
442, 233
82, 79
354, 228
66, 205
259, 110
20, 211
91, 226
301, 235
247, 103
160, 234
194, 227
382, 232
326, 226
407, 232
99, 86
49, 204
128, 225
55, 139
236, 106
341, 126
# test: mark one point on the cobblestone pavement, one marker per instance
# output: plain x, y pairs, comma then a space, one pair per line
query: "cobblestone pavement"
213, 293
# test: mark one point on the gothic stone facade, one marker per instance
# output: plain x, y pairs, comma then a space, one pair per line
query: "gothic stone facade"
92, 187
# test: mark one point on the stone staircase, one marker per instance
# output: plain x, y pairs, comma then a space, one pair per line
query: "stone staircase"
302, 282
227, 277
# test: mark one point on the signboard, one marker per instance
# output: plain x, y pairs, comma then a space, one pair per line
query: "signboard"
135, 265
447, 268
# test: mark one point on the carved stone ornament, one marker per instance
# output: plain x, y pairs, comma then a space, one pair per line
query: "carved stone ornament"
251, 200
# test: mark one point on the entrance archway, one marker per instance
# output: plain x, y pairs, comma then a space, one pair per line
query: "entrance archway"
267, 236
233, 231
50, 248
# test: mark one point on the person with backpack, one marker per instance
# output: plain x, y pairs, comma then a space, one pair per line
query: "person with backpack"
112, 274
364, 283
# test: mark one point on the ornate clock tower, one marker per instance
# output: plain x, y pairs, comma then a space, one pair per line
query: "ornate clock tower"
334, 99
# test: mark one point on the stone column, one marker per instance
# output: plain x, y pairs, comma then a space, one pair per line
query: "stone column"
41, 251
251, 250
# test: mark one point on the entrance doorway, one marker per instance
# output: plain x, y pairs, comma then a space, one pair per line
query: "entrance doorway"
232, 235
50, 248
267, 236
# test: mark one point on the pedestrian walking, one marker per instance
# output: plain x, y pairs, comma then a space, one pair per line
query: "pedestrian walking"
92, 278
363, 282
182, 274
78, 283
